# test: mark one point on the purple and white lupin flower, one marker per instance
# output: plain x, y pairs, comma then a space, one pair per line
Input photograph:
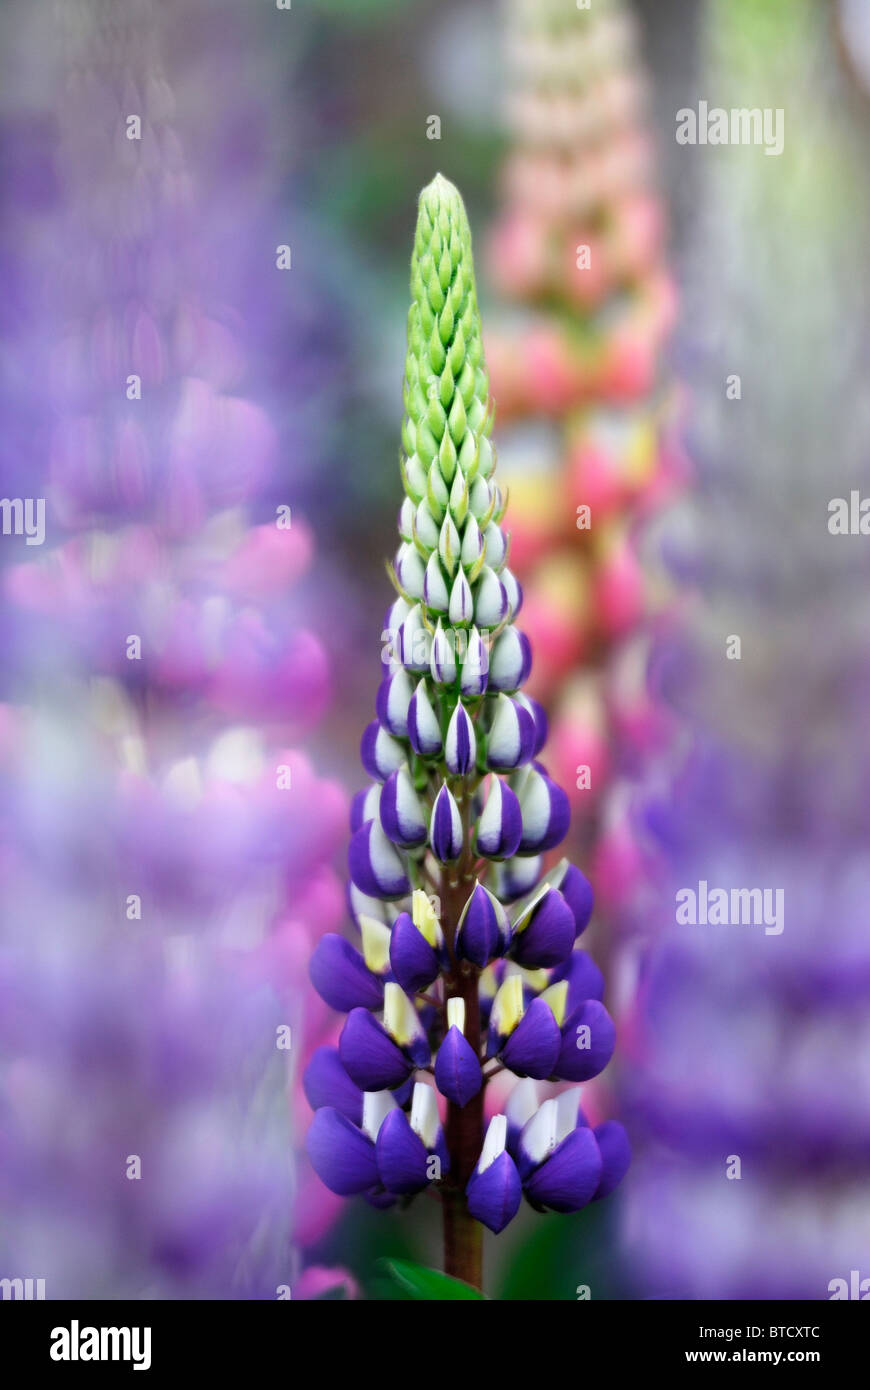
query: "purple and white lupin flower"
464, 962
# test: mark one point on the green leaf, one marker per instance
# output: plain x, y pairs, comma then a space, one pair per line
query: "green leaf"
422, 1283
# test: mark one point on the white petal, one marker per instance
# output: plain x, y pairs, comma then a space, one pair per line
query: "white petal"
539, 1134
362, 905
504, 736
479, 497
427, 527
456, 1014
428, 728
410, 570
522, 1102
399, 698
385, 860
489, 825
461, 604
568, 1108
443, 664
506, 663
494, 1143
490, 606
424, 1114
472, 543
416, 643
376, 1107
436, 586
524, 872
535, 806
409, 811
389, 753
397, 614
512, 589
416, 475
487, 457
495, 545
406, 520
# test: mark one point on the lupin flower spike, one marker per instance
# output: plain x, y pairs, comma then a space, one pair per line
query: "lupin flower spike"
465, 963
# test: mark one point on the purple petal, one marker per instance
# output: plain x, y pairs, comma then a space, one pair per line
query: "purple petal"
369, 1055
364, 807
327, 1083
401, 1155
393, 698
494, 1195
482, 934
511, 739
568, 1179
415, 964
500, 827
533, 1047
400, 811
460, 748
585, 980
375, 866
539, 715
577, 892
457, 1070
381, 754
341, 976
549, 937
583, 1053
546, 814
518, 877
341, 1155
402, 1094
424, 731
445, 833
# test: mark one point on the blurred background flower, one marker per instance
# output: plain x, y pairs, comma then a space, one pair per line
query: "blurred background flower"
577, 251
167, 852
751, 1043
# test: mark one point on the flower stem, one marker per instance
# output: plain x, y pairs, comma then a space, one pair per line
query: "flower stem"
463, 1236
463, 1241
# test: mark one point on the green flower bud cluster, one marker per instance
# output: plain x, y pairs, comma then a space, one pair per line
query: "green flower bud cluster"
452, 548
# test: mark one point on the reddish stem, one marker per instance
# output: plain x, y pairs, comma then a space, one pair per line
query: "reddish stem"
463, 1236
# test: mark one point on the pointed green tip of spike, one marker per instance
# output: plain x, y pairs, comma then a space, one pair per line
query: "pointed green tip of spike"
442, 196
440, 190
441, 206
